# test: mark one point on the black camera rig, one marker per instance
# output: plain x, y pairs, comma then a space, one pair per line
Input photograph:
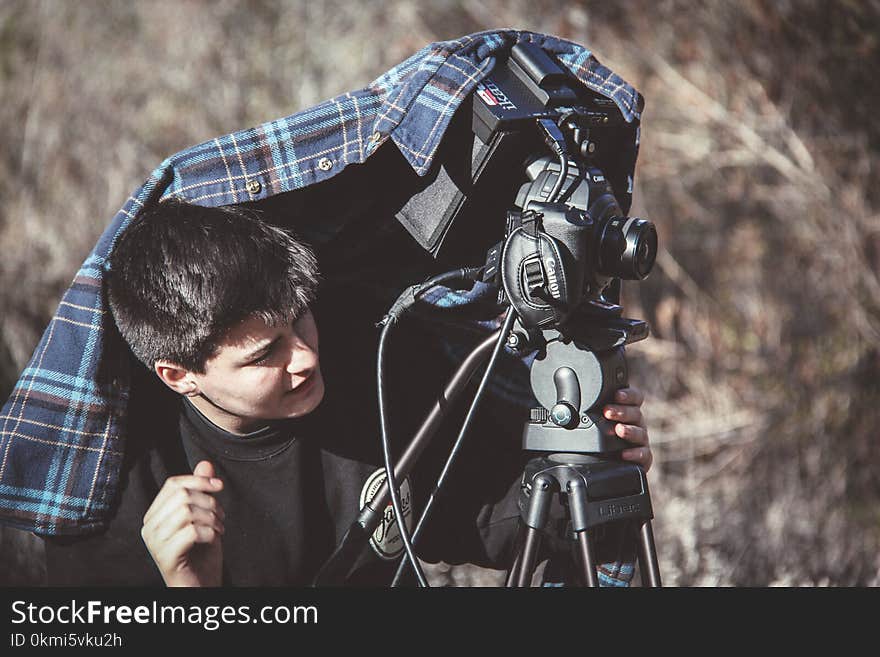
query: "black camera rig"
567, 245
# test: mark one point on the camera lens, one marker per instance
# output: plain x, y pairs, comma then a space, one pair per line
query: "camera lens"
627, 248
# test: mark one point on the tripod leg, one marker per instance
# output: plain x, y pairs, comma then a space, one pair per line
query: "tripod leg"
585, 549
529, 557
648, 565
513, 573
535, 518
577, 501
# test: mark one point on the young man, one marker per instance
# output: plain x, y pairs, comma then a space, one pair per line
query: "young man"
253, 470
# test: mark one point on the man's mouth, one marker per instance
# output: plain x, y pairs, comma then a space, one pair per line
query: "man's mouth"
304, 386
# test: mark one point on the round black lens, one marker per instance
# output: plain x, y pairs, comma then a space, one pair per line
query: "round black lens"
645, 248
627, 248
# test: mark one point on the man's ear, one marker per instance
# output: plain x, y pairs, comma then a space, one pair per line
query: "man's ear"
179, 379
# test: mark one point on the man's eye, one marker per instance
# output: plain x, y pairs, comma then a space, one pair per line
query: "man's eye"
262, 359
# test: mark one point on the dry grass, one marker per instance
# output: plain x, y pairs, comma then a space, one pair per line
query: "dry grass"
758, 164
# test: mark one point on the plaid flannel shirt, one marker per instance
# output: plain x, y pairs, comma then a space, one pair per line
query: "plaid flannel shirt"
62, 430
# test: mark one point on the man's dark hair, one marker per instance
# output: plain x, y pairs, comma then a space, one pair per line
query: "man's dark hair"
181, 275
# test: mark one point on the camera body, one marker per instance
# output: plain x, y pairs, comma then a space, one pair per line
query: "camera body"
558, 255
570, 237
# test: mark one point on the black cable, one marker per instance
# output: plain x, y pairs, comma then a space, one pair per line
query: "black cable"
563, 174
554, 138
388, 323
456, 448
404, 302
463, 274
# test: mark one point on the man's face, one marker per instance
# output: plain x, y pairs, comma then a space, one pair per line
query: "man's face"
263, 372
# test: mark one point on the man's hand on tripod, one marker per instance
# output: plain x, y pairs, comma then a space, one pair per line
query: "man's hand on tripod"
627, 412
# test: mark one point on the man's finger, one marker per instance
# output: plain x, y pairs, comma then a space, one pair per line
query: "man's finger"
182, 516
640, 455
625, 414
204, 469
632, 433
631, 396
161, 510
181, 542
181, 499
188, 482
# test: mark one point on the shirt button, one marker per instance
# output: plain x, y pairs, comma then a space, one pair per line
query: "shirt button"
324, 164
253, 186
373, 141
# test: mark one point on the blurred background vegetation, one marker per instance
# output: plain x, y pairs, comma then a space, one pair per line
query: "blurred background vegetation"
759, 165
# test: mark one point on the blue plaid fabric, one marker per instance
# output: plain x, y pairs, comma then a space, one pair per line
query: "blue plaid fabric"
62, 430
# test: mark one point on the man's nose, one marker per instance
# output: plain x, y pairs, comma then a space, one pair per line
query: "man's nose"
301, 357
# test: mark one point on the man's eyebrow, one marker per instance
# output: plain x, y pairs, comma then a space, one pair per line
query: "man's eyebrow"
251, 355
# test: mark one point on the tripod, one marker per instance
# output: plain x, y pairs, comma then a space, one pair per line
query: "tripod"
598, 491
578, 465
579, 469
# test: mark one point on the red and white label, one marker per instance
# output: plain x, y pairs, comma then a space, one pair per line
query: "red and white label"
487, 96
